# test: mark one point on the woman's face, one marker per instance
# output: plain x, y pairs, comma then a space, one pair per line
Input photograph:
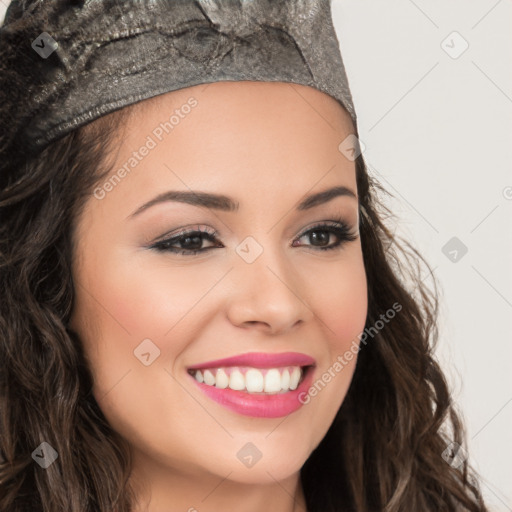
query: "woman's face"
150, 317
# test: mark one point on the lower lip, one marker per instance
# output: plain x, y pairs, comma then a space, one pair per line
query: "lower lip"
259, 406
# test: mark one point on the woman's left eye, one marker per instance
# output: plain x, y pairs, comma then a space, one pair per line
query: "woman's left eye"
190, 242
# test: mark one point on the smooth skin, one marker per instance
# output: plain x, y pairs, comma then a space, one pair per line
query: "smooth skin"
267, 145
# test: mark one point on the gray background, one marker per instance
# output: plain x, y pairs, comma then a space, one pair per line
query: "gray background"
436, 123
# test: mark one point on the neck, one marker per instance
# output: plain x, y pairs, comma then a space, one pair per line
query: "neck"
160, 489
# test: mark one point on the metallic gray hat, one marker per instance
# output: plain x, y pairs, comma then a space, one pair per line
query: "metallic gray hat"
68, 62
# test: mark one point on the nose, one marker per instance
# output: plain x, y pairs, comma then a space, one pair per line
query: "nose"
267, 295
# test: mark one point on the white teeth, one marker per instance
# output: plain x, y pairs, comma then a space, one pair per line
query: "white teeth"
294, 378
285, 380
254, 381
221, 379
209, 378
271, 380
236, 380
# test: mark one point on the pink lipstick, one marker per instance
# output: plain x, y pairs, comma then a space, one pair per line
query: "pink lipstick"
263, 385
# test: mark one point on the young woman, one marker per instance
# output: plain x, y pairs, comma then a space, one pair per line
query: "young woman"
203, 309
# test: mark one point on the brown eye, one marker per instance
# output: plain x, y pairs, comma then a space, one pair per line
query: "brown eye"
189, 243
320, 235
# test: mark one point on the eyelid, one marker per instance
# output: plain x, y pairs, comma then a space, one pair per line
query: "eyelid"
333, 222
186, 231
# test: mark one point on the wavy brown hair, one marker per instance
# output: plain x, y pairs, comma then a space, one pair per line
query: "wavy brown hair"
384, 450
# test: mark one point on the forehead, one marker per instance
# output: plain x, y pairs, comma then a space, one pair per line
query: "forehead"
270, 139
250, 96
221, 115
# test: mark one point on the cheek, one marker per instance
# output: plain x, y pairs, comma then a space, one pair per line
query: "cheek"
120, 307
342, 301
140, 301
129, 310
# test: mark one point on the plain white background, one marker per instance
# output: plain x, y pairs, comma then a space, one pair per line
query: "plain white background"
432, 87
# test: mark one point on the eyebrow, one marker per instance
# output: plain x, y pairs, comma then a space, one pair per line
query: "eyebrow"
225, 203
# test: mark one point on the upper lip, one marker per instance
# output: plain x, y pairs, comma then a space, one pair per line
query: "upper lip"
260, 360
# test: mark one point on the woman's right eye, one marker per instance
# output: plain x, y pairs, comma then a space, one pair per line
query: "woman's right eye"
190, 242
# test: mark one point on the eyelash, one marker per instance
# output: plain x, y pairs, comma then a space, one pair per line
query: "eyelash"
339, 228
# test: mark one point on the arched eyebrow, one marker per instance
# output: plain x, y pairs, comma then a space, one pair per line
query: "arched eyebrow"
227, 204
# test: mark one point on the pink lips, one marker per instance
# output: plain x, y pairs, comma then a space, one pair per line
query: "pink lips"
260, 360
259, 405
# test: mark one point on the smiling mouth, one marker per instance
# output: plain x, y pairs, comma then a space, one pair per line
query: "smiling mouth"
251, 380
